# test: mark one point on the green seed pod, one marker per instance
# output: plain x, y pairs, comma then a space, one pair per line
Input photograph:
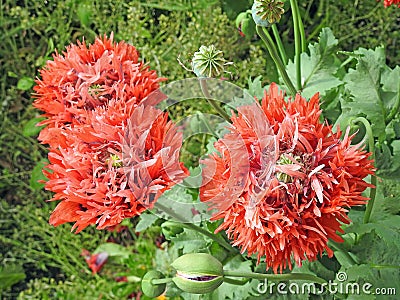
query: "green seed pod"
149, 289
208, 62
267, 12
198, 273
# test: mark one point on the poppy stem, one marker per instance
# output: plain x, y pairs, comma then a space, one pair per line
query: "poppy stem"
278, 40
160, 281
371, 148
236, 282
297, 40
266, 38
277, 277
211, 101
187, 224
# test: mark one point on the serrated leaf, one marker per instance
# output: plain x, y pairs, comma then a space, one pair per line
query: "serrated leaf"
387, 160
387, 201
182, 204
390, 87
355, 272
230, 291
190, 241
145, 221
384, 262
255, 87
318, 68
364, 86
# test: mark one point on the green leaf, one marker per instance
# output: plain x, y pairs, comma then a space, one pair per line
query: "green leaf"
30, 128
113, 250
182, 203
25, 83
255, 87
11, 275
364, 87
319, 67
145, 221
391, 88
387, 159
37, 175
382, 260
230, 291
84, 13
190, 241
387, 201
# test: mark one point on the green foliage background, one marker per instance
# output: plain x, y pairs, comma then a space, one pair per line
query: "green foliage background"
41, 262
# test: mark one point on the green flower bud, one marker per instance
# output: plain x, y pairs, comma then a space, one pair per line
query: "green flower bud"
242, 16
171, 229
198, 273
248, 28
267, 12
245, 24
208, 62
152, 290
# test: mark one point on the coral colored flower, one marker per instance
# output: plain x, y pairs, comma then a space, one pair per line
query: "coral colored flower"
110, 168
283, 182
388, 3
110, 156
85, 77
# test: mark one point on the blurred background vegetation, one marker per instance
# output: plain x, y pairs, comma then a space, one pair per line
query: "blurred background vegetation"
41, 262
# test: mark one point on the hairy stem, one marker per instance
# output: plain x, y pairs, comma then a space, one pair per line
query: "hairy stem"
278, 40
187, 224
297, 41
266, 38
212, 102
277, 277
371, 148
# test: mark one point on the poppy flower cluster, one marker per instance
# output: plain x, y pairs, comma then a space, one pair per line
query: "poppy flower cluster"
283, 181
112, 153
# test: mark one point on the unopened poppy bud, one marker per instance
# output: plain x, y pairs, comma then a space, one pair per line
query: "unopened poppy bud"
149, 288
267, 12
198, 273
245, 24
208, 62
171, 229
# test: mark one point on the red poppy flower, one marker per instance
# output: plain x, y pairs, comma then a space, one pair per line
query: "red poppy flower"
110, 157
108, 170
95, 261
388, 3
283, 181
85, 77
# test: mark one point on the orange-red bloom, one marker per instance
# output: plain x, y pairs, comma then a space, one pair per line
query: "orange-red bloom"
107, 171
283, 181
388, 3
111, 154
85, 77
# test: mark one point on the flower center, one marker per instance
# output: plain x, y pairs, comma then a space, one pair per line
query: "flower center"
286, 159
